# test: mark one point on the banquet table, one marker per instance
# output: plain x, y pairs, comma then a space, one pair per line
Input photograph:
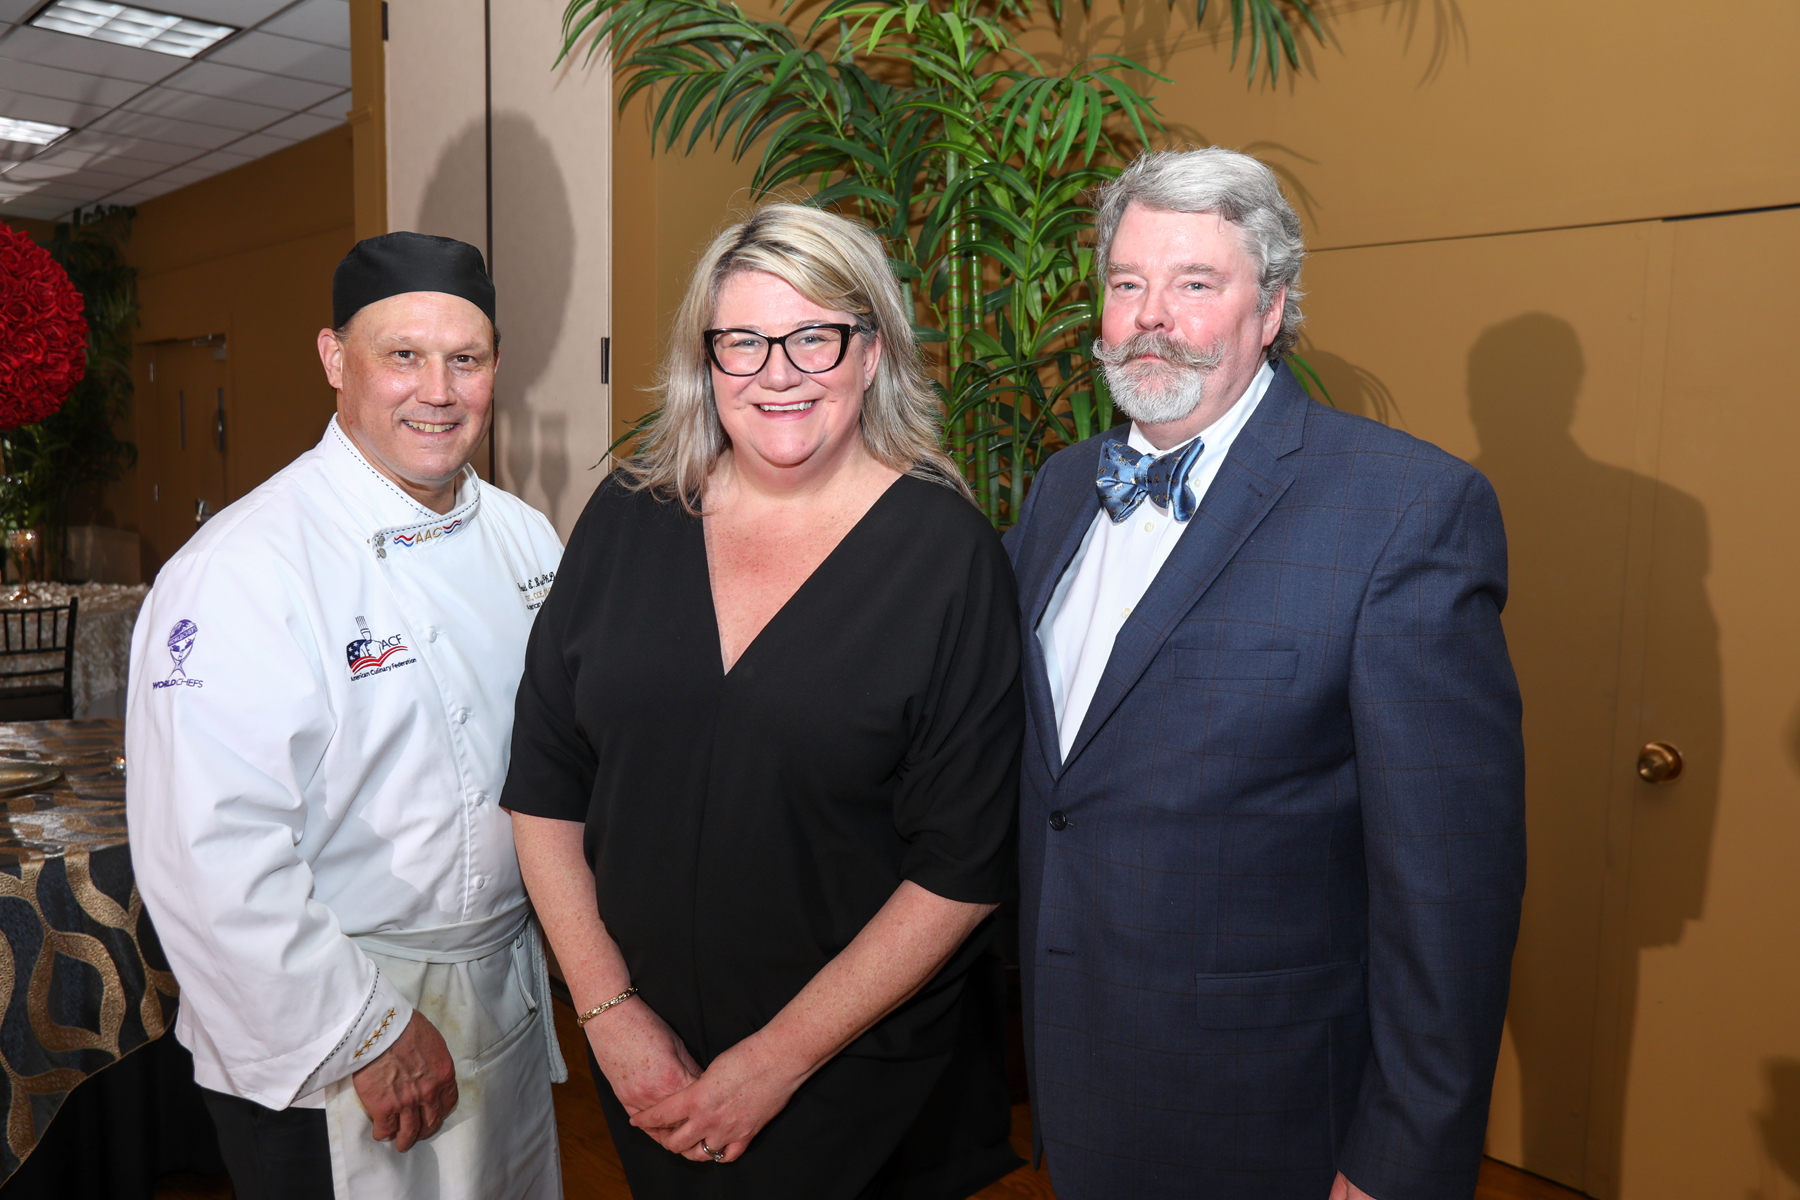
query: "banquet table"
84, 980
102, 638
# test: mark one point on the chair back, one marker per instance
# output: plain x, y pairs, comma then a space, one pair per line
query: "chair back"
37, 662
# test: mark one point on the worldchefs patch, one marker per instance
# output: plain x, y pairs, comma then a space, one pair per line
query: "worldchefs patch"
181, 644
369, 655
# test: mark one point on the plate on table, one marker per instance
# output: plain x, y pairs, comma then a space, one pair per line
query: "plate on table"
16, 777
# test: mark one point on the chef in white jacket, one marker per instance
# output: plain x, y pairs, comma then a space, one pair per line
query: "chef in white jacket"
320, 712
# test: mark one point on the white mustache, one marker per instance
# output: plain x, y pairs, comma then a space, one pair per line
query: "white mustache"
1173, 351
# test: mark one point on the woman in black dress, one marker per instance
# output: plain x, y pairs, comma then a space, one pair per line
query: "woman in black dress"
770, 721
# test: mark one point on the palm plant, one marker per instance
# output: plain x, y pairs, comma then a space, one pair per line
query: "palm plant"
927, 120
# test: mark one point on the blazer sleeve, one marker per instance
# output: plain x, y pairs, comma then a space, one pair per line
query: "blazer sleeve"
1440, 769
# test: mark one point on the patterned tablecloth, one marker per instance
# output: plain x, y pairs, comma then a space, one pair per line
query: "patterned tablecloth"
102, 638
84, 980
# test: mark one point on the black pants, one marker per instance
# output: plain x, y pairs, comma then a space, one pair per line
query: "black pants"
272, 1154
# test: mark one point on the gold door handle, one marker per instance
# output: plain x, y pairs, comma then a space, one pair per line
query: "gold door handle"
1659, 762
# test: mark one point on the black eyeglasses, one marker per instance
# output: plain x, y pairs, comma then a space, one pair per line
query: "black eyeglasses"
814, 349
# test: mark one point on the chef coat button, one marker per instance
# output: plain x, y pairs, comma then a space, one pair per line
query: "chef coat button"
381, 539
480, 881
481, 797
1058, 821
431, 633
380, 553
462, 714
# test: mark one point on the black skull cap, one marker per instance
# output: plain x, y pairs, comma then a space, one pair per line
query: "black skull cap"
396, 263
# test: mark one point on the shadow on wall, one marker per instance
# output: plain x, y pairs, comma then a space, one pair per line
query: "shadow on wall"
1565, 516
1779, 1124
1354, 389
534, 232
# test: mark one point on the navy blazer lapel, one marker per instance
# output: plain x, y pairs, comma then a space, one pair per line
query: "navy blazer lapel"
1066, 517
1250, 480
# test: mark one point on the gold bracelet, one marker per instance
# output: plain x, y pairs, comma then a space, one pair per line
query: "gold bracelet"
595, 1011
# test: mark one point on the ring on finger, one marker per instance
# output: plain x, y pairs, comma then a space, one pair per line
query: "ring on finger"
715, 1155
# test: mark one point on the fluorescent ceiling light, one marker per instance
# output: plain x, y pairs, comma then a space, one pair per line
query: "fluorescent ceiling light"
165, 33
35, 132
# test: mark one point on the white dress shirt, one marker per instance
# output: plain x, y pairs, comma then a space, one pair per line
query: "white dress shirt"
319, 721
1115, 566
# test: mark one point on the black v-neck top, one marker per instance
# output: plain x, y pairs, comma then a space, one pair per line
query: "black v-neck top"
743, 827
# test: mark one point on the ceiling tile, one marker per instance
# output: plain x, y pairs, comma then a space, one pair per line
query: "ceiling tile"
323, 21
162, 129
22, 107
39, 80
181, 176
87, 55
95, 157
286, 56
259, 144
206, 110
147, 190
107, 145
71, 194
40, 171
240, 14
235, 83
304, 125
223, 160
335, 108
38, 208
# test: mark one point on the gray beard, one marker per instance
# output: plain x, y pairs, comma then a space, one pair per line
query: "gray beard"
1157, 393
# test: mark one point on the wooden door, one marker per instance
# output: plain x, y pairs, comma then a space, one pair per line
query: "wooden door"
183, 438
1706, 983
1523, 354
1627, 390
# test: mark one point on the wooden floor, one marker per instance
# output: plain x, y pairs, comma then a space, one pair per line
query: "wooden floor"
591, 1168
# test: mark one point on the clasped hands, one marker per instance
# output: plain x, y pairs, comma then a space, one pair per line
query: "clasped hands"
665, 1093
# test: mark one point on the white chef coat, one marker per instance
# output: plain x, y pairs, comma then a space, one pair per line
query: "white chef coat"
1115, 565
318, 726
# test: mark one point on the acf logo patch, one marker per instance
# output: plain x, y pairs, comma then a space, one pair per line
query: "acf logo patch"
369, 655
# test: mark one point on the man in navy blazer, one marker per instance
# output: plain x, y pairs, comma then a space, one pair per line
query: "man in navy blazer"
1272, 801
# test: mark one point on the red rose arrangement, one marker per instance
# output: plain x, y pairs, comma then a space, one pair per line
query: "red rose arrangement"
43, 336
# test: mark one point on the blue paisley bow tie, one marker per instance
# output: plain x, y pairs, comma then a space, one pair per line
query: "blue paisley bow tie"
1127, 476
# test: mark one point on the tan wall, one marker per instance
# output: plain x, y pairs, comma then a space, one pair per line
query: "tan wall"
247, 254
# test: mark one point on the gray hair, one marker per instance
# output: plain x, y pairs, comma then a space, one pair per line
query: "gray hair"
837, 264
1236, 188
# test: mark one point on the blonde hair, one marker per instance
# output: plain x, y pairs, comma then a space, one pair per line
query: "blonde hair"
837, 264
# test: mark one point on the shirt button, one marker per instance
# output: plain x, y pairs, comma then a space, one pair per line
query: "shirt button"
481, 797
1058, 821
480, 881
1149, 526
1125, 614
431, 633
462, 714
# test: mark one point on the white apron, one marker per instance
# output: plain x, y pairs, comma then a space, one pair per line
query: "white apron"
484, 985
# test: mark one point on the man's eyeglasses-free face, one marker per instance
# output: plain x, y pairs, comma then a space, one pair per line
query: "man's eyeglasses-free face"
814, 349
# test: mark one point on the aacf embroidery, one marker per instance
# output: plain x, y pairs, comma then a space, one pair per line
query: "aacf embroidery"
376, 1036
425, 535
369, 655
534, 590
181, 644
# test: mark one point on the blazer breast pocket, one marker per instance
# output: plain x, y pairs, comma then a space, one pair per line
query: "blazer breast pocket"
1215, 662
1265, 999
